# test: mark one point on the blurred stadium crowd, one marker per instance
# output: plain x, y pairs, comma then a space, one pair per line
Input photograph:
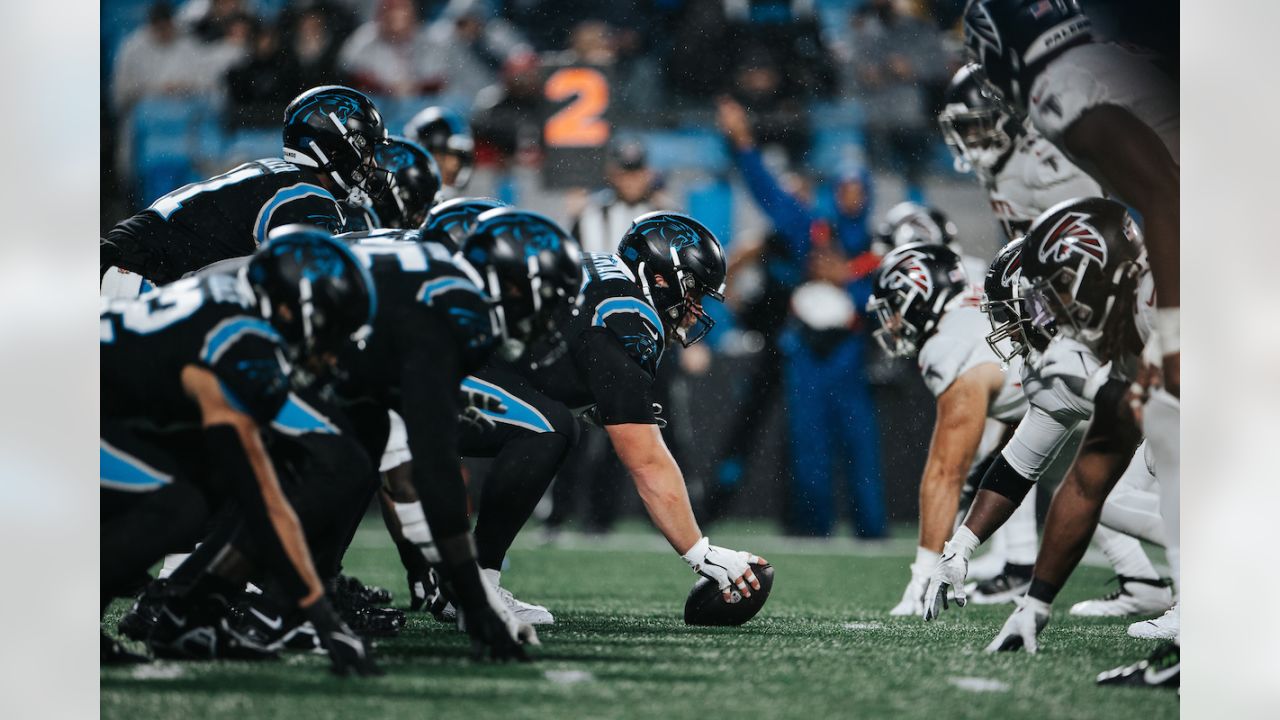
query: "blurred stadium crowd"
787, 127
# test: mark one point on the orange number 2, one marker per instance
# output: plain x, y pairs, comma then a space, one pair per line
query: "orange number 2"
580, 123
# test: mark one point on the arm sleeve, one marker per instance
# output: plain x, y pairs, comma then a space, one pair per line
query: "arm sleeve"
251, 368
791, 219
1036, 442
623, 391
430, 374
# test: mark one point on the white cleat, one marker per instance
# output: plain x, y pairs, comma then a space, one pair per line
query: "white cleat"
1164, 627
912, 602
525, 612
1135, 596
985, 567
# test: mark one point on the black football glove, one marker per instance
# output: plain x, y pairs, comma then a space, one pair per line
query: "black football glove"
348, 654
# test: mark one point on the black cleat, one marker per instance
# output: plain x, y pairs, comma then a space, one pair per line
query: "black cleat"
348, 590
1161, 669
137, 623
262, 621
1012, 583
203, 634
113, 653
370, 621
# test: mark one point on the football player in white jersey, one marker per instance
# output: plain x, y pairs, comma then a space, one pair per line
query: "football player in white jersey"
1054, 374
1023, 173
1084, 272
926, 308
1114, 112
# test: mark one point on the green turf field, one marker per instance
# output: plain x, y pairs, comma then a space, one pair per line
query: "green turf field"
824, 647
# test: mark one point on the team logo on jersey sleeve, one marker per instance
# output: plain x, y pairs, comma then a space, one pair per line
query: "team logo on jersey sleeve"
909, 273
1072, 234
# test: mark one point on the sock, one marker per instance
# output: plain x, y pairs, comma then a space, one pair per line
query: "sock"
926, 560
1020, 541
1125, 554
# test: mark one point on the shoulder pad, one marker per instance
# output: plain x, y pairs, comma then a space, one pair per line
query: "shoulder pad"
958, 345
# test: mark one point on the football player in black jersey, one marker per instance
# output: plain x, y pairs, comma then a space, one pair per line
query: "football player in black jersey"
413, 186
189, 376
606, 353
331, 135
439, 320
446, 135
526, 433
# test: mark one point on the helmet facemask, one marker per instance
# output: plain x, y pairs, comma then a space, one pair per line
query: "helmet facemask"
897, 337
977, 137
686, 320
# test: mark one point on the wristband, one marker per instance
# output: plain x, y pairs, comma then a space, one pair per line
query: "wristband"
1003, 478
413, 525
1043, 592
1166, 326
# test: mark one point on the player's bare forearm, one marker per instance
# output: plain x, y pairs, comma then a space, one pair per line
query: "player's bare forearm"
215, 411
989, 511
962, 414
1135, 164
659, 481
1074, 512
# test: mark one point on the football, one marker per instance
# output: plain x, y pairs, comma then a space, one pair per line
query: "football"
706, 606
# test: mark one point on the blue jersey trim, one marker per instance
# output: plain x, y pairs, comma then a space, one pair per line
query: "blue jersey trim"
299, 418
518, 413
432, 288
118, 470
224, 334
626, 305
282, 196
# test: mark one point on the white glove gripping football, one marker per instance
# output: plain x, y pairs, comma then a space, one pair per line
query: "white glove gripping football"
1022, 627
950, 573
726, 568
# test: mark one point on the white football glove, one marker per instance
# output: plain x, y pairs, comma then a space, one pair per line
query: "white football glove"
912, 602
726, 568
948, 574
1022, 627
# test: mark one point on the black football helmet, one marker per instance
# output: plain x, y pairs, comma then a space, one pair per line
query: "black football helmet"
1012, 39
678, 262
1012, 333
1080, 267
337, 131
529, 266
443, 131
329, 296
910, 292
975, 125
450, 222
413, 184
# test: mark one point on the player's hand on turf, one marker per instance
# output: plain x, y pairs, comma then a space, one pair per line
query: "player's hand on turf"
912, 602
728, 569
495, 633
948, 575
422, 588
348, 653
1023, 626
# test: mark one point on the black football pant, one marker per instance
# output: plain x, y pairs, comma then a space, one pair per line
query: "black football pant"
152, 503
528, 443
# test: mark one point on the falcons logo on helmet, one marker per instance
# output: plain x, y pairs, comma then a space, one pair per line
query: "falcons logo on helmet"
1011, 270
908, 272
1073, 234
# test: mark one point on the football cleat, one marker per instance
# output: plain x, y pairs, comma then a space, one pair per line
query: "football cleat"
1165, 627
195, 636
1135, 596
113, 653
258, 618
136, 624
1003, 588
348, 590
373, 621
985, 567
1160, 669
522, 611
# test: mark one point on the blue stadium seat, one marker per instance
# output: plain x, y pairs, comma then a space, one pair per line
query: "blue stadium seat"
163, 148
687, 149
